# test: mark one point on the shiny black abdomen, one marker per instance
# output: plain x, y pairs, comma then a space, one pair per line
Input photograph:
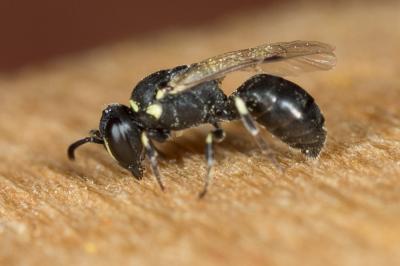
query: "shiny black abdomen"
286, 110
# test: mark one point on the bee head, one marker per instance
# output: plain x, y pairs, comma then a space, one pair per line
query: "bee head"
120, 134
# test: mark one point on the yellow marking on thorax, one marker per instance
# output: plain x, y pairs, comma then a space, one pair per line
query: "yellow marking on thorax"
160, 94
134, 105
155, 110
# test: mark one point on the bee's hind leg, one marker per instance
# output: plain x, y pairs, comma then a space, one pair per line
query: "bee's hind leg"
217, 135
253, 129
152, 156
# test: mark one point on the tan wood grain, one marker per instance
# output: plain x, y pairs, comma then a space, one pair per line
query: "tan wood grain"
343, 209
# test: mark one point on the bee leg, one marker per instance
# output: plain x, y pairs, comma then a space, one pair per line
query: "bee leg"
159, 135
152, 155
217, 135
160, 154
251, 126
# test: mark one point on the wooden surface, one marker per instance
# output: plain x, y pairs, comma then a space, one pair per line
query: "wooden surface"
343, 209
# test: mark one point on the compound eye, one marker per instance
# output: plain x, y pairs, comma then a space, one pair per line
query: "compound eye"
122, 140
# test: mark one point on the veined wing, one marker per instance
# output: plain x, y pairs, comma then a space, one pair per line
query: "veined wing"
283, 58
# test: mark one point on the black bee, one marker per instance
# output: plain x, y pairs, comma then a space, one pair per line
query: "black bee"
187, 96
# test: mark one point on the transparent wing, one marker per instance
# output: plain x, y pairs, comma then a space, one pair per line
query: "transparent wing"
283, 59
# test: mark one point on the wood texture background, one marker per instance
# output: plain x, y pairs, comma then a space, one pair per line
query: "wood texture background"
343, 209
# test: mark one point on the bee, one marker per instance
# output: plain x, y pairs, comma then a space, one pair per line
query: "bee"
190, 95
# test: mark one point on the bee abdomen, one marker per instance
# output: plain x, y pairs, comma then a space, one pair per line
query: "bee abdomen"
286, 110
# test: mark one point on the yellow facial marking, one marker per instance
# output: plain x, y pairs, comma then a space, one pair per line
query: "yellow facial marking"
155, 110
134, 105
241, 106
108, 148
